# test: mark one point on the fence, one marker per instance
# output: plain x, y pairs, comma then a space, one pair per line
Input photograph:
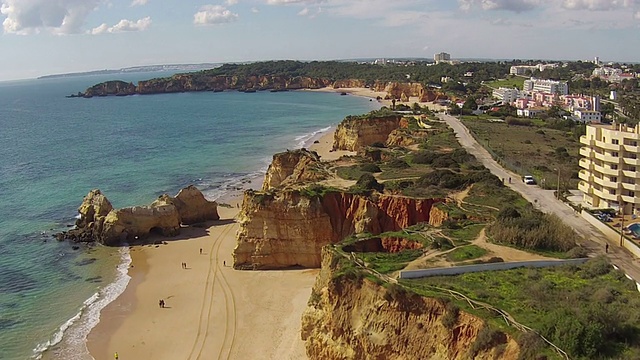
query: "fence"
473, 303
415, 274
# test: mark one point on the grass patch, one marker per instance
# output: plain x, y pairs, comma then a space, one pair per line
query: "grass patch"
464, 253
466, 233
511, 82
590, 311
389, 262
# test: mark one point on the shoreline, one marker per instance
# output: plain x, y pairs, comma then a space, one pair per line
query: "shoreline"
133, 325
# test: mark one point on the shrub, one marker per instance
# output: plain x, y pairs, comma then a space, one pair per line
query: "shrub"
424, 157
577, 252
450, 317
485, 339
372, 168
398, 164
530, 346
368, 182
596, 267
378, 144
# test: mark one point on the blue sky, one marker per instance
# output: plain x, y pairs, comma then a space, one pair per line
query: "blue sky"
57, 36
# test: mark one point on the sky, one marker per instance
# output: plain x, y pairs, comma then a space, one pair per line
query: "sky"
42, 37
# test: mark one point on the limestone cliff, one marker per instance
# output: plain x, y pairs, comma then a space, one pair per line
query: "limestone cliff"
403, 91
205, 82
284, 228
297, 166
100, 222
356, 132
353, 318
118, 88
350, 83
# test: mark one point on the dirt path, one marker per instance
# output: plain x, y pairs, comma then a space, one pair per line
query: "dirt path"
507, 254
544, 200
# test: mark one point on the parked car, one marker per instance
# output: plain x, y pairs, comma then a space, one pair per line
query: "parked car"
529, 180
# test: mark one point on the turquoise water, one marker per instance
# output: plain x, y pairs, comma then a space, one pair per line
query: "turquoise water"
53, 150
635, 229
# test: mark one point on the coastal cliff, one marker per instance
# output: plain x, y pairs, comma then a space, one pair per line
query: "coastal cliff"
354, 133
100, 222
293, 167
286, 228
350, 317
403, 91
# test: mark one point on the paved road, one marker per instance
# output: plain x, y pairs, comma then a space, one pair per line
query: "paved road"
546, 201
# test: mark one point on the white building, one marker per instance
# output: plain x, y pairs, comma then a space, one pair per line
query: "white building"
506, 95
587, 116
440, 57
613, 95
522, 69
530, 112
546, 86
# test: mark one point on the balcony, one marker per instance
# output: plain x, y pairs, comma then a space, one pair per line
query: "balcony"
630, 161
608, 146
632, 187
584, 175
585, 141
632, 148
584, 187
585, 151
605, 195
630, 199
606, 170
631, 174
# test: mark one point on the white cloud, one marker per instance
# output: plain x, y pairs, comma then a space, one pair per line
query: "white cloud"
231, 2
507, 5
214, 14
285, 2
123, 26
597, 5
139, 2
255, 10
304, 12
33, 16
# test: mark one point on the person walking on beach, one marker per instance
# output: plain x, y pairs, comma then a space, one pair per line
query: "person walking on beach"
200, 251
224, 263
160, 303
115, 356
606, 248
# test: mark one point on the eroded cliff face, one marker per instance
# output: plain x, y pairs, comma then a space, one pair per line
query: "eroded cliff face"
100, 222
284, 228
403, 91
350, 83
116, 87
358, 319
293, 167
355, 133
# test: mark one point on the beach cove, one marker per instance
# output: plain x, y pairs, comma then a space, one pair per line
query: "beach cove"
133, 149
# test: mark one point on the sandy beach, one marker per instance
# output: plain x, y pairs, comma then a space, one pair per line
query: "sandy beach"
212, 311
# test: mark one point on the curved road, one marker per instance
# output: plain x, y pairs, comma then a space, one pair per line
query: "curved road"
546, 201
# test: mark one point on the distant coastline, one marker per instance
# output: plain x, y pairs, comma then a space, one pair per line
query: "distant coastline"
137, 69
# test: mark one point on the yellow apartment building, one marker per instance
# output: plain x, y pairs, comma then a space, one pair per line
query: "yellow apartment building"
610, 167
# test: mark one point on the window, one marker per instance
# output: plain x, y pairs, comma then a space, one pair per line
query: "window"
615, 142
612, 192
631, 193
614, 167
613, 179
614, 153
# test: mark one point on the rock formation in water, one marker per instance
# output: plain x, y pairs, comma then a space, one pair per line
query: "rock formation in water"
296, 166
356, 132
116, 87
284, 228
356, 318
100, 222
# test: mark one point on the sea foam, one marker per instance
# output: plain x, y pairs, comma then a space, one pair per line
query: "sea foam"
72, 335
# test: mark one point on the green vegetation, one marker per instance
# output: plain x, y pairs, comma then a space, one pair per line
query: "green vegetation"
591, 311
532, 150
317, 191
354, 172
468, 252
386, 263
510, 82
532, 229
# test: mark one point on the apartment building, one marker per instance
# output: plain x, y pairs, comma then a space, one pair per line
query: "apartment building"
506, 95
587, 116
546, 86
610, 167
441, 57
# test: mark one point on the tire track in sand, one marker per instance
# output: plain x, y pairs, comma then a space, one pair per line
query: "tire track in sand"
207, 299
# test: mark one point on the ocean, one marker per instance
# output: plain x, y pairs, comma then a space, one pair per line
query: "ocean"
54, 150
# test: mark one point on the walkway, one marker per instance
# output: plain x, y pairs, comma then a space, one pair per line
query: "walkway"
545, 201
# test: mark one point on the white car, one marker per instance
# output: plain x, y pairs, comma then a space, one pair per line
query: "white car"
529, 180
